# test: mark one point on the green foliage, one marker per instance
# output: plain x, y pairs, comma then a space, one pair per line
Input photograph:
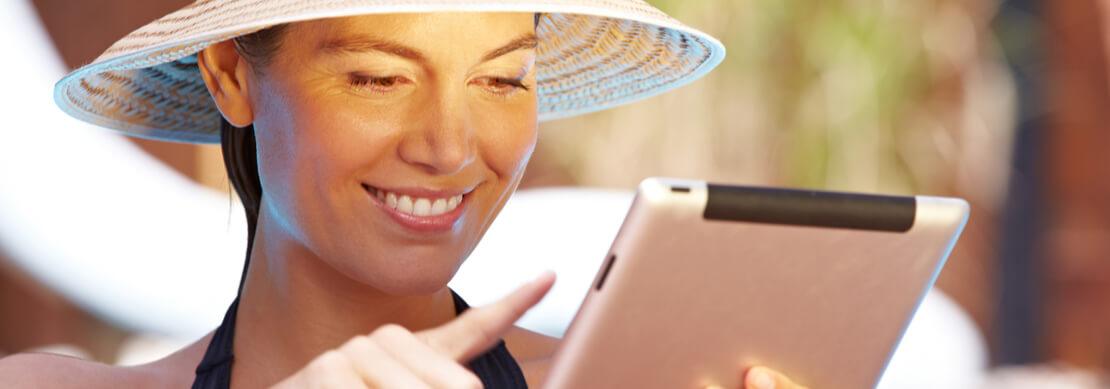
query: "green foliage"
827, 93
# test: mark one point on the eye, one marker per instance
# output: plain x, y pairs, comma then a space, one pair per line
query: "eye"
502, 85
374, 83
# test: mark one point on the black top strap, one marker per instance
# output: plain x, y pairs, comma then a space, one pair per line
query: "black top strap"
214, 370
496, 368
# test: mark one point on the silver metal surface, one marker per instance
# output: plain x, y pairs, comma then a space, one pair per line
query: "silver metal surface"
689, 302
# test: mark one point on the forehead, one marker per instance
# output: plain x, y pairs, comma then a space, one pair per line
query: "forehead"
462, 30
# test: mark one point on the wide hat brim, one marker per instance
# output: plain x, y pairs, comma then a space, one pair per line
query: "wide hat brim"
592, 55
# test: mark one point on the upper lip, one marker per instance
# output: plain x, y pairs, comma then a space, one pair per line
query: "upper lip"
423, 192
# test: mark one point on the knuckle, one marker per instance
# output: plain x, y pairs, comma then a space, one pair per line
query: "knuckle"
357, 343
324, 382
433, 342
327, 362
468, 381
389, 331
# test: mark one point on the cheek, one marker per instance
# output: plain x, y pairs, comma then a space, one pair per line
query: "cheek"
332, 138
311, 152
510, 139
276, 153
338, 142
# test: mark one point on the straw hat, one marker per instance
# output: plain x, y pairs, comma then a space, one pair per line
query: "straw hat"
593, 55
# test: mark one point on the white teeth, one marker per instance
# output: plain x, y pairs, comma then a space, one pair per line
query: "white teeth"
404, 204
419, 206
439, 207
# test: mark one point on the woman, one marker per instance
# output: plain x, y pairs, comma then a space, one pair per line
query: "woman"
371, 145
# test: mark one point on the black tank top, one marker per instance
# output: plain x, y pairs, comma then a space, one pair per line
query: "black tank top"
496, 368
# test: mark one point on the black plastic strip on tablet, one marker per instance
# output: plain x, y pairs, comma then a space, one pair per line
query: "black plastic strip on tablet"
810, 208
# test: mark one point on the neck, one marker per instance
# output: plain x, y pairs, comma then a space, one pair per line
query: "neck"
294, 307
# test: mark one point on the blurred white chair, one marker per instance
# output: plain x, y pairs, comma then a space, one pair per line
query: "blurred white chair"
91, 215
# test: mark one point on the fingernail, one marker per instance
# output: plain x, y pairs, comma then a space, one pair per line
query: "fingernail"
760, 379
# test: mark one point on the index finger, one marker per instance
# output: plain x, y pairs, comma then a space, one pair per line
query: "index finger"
478, 329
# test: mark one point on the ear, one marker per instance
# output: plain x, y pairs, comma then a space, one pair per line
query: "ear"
225, 73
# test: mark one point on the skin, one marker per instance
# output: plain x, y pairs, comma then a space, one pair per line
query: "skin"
385, 101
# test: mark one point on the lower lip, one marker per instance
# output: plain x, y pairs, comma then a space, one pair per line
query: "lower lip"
424, 224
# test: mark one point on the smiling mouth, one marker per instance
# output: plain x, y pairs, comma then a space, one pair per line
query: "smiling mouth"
417, 206
420, 210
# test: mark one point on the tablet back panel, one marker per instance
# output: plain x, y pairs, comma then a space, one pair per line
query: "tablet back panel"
817, 285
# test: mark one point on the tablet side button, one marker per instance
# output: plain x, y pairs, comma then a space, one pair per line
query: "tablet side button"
605, 272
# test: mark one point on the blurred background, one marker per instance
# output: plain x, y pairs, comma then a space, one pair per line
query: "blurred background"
1003, 103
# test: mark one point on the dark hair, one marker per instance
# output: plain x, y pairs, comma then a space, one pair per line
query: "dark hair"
238, 144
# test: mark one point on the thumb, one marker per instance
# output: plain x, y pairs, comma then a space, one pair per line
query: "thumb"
478, 329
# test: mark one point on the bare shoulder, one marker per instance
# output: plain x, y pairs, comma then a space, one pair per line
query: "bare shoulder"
533, 351
40, 370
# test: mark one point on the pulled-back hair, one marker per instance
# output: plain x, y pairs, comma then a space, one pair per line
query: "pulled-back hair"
239, 148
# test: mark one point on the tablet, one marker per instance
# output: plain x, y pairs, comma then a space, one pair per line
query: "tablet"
705, 279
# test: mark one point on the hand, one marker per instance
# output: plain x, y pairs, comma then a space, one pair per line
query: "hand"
393, 357
763, 378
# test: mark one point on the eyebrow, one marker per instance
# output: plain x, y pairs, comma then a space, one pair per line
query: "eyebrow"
526, 41
365, 44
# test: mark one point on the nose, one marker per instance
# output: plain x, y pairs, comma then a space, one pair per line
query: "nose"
441, 138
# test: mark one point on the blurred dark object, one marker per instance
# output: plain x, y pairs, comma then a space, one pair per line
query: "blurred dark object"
1076, 243
83, 29
35, 316
1055, 279
1017, 334
32, 314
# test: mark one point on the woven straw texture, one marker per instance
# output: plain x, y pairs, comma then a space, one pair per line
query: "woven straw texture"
593, 54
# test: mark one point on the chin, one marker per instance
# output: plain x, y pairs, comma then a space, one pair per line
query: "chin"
412, 286
407, 282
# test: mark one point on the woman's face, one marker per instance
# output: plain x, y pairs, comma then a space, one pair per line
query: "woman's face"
388, 143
